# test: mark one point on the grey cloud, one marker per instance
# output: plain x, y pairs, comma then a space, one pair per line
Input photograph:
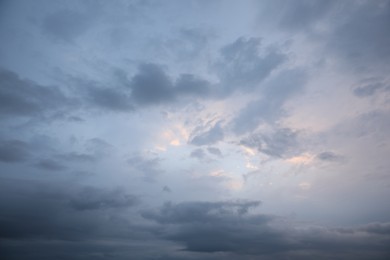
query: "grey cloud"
269, 108
230, 228
188, 43
362, 38
149, 168
370, 88
65, 25
166, 189
299, 15
188, 84
47, 211
242, 67
152, 86
14, 151
197, 211
77, 157
50, 165
214, 150
212, 136
198, 153
329, 156
20, 97
109, 98
281, 143
91, 198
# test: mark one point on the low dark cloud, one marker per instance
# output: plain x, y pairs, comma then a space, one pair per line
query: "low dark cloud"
229, 227
77, 157
47, 211
91, 198
152, 86
12, 151
110, 99
20, 97
50, 165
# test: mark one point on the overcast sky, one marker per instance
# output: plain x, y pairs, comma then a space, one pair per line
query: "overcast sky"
195, 129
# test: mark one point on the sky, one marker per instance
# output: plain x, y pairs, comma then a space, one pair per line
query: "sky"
195, 129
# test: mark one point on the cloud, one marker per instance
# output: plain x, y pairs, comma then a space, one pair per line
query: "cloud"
196, 211
20, 97
198, 153
166, 189
214, 151
109, 99
149, 168
34, 210
50, 165
152, 86
12, 151
269, 108
281, 143
299, 15
211, 227
242, 67
91, 198
65, 25
362, 38
329, 156
211, 136
370, 87
76, 157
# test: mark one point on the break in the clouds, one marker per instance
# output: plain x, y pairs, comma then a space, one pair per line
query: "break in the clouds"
194, 129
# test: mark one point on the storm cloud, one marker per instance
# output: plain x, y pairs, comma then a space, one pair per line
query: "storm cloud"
194, 129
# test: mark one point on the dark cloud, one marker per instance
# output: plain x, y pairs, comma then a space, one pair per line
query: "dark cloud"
362, 37
50, 165
214, 150
228, 227
65, 25
188, 84
211, 136
20, 97
206, 212
14, 151
281, 143
198, 153
329, 156
242, 67
47, 211
91, 198
109, 99
77, 157
166, 189
152, 86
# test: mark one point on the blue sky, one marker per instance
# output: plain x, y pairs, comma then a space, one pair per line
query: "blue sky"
194, 129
